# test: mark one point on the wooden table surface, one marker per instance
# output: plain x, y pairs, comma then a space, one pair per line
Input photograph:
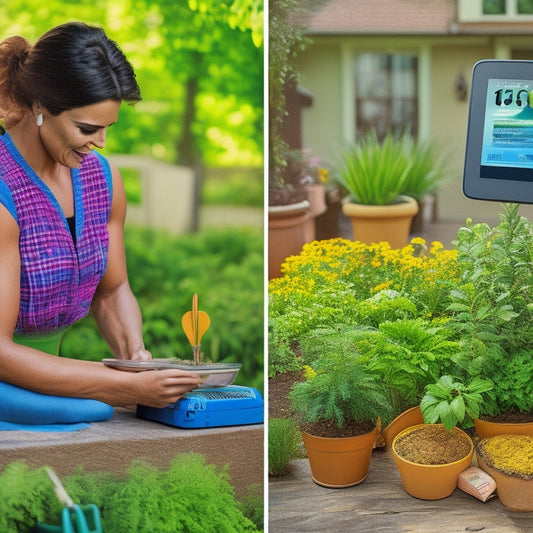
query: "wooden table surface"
380, 504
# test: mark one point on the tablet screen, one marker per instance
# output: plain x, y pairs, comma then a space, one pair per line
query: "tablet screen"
499, 151
507, 151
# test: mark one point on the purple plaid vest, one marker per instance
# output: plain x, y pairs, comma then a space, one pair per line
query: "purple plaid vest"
57, 278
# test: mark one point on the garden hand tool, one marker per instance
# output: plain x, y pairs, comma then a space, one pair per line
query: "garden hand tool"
74, 518
195, 323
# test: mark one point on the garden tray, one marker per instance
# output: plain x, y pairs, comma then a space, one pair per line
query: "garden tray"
212, 374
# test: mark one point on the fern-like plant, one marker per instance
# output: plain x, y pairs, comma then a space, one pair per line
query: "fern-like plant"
340, 390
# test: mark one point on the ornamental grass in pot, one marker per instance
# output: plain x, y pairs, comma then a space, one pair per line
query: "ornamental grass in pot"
386, 183
337, 408
374, 174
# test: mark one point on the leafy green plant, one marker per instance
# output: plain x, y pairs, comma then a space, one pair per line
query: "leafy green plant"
25, 497
452, 402
408, 355
341, 391
491, 309
283, 441
379, 173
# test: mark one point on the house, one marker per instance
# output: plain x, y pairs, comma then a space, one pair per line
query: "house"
398, 63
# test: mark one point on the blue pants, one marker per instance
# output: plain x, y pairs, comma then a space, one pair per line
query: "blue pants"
28, 410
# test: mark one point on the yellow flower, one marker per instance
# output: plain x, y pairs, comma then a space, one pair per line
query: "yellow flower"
309, 373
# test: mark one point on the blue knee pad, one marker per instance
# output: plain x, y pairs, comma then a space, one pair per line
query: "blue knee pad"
29, 410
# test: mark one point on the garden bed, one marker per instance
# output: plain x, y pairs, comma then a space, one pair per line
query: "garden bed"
114, 444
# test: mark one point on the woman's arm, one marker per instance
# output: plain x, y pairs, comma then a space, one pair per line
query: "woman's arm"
49, 374
114, 306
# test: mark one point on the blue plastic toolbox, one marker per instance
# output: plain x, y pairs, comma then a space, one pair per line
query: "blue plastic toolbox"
233, 405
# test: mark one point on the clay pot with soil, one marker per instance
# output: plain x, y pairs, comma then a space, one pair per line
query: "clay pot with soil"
337, 408
429, 459
507, 459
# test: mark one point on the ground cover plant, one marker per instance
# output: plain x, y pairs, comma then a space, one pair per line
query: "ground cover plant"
190, 496
224, 267
452, 327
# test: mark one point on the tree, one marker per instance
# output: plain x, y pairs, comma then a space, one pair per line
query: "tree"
198, 67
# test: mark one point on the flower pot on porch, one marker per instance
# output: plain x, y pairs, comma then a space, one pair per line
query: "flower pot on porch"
316, 196
431, 481
339, 462
286, 233
409, 418
486, 428
378, 223
507, 459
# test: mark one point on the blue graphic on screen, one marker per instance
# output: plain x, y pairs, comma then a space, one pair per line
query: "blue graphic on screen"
508, 129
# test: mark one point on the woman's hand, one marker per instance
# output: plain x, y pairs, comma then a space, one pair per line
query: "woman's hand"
141, 355
158, 388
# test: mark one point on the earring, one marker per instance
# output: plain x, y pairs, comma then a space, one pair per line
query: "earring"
39, 119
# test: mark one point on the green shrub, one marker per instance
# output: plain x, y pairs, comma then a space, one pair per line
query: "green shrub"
24, 497
224, 267
243, 187
252, 505
340, 390
190, 496
283, 441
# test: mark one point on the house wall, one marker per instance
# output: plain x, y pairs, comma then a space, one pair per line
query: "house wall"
327, 74
322, 122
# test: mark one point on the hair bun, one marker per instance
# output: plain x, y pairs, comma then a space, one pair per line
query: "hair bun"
16, 49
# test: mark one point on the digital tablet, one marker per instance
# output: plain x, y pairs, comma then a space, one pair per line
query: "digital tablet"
499, 145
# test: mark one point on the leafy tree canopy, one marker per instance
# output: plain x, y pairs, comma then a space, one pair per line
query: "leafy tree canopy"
198, 62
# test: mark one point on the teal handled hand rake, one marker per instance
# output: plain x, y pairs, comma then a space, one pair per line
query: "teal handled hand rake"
74, 518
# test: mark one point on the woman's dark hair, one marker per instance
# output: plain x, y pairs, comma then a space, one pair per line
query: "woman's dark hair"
72, 65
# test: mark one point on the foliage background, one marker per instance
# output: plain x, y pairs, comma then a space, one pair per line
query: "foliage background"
205, 50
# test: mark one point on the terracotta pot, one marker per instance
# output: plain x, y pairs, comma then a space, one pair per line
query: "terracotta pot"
327, 224
515, 493
486, 429
407, 419
378, 223
286, 233
341, 462
430, 482
316, 195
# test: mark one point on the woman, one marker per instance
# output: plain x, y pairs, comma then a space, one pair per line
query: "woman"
62, 211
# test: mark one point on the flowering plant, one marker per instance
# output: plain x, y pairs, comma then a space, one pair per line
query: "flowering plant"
417, 314
339, 282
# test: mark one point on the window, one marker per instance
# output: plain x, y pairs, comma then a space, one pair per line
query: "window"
386, 93
507, 7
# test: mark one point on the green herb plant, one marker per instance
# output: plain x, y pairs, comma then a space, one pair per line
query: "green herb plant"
491, 308
452, 402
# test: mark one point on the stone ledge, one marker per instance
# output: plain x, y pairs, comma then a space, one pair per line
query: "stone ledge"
114, 444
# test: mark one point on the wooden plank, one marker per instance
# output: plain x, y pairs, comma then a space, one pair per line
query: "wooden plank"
380, 504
